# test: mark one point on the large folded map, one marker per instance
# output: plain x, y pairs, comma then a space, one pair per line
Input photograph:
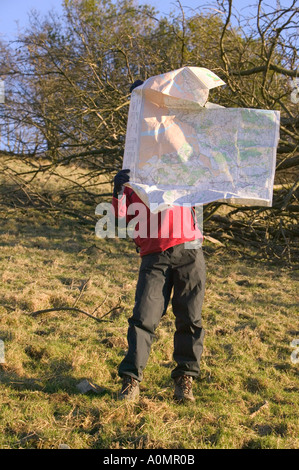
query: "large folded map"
181, 149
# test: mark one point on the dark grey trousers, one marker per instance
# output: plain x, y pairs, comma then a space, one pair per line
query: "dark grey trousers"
182, 271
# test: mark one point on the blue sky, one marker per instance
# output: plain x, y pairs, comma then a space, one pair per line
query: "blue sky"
13, 11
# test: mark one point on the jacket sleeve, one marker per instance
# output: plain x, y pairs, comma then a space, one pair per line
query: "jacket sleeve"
119, 206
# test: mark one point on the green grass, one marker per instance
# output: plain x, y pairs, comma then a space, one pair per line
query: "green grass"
247, 393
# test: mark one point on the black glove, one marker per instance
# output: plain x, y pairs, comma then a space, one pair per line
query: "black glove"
136, 84
120, 179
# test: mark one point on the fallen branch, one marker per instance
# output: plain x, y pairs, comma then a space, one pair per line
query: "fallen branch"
288, 163
214, 240
261, 408
74, 309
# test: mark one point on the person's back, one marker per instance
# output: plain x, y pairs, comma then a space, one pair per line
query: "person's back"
156, 232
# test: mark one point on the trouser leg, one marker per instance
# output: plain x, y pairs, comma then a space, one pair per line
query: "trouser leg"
152, 296
189, 285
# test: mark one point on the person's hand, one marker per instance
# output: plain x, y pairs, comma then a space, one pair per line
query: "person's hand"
136, 84
120, 179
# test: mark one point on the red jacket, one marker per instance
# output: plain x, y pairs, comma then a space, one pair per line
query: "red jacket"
156, 232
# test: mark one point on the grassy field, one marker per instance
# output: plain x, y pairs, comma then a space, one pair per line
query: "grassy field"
247, 393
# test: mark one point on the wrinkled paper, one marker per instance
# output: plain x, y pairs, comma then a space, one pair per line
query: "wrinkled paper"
181, 149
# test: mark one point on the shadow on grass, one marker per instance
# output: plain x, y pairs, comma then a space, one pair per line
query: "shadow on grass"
58, 381
40, 229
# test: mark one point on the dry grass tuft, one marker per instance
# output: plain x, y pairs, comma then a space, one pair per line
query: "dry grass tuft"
247, 393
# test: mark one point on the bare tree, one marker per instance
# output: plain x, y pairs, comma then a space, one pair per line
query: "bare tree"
260, 69
68, 79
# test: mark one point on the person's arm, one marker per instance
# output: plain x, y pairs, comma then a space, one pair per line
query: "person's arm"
120, 179
119, 199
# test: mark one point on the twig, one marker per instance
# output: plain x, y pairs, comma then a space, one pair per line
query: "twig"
262, 407
112, 310
99, 306
73, 309
81, 292
289, 195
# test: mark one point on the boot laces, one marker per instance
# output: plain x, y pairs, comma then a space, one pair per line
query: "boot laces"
128, 384
185, 382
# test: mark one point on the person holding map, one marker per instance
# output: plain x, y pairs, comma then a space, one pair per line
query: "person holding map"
172, 261
182, 151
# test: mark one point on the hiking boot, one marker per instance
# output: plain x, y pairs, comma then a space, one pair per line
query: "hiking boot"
183, 388
130, 388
